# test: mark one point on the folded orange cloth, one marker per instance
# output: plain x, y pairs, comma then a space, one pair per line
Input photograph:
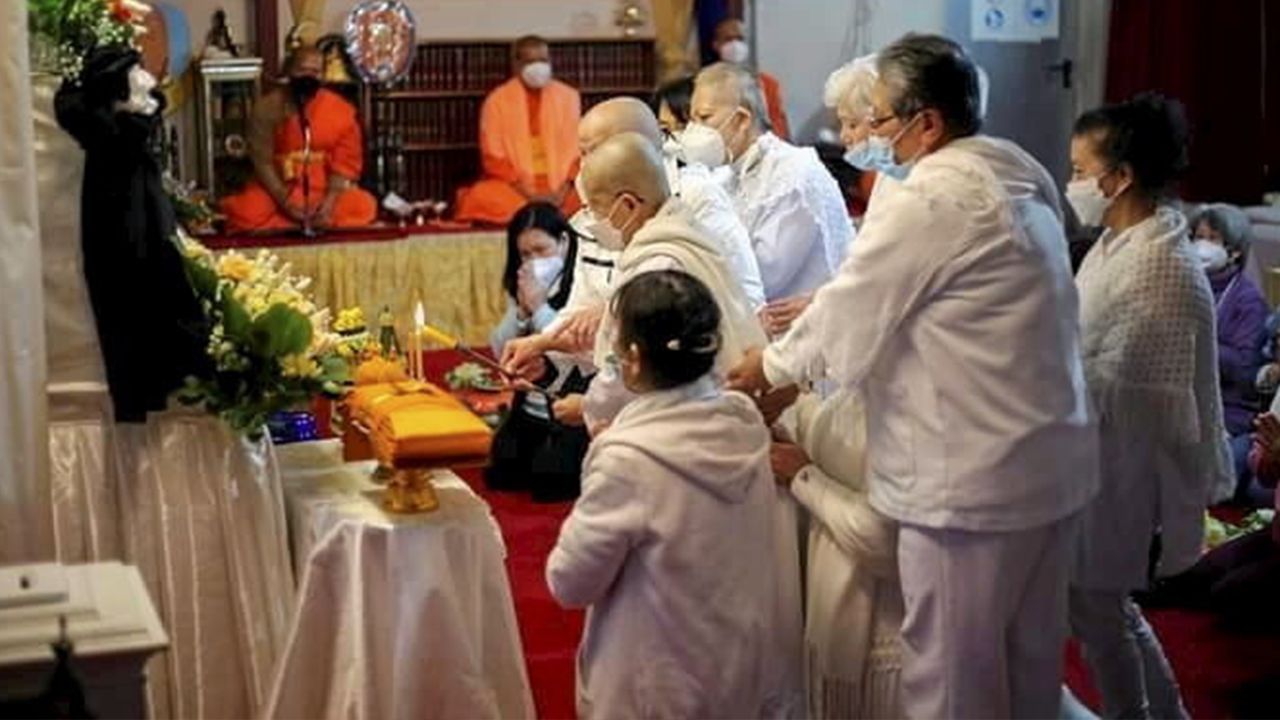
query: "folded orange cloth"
380, 370
415, 424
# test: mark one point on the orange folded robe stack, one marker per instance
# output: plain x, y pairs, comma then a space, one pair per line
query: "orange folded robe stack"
414, 424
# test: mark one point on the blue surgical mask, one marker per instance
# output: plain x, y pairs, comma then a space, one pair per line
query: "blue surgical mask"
880, 152
860, 156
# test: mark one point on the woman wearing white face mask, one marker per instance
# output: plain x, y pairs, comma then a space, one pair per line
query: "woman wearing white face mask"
1147, 324
1221, 237
531, 451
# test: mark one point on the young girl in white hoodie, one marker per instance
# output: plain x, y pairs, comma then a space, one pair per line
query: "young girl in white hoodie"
670, 544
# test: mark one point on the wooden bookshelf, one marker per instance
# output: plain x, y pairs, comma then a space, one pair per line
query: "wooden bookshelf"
422, 132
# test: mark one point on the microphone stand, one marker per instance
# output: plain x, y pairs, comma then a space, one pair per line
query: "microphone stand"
307, 230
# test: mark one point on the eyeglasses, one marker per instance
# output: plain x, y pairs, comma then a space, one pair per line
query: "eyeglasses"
875, 122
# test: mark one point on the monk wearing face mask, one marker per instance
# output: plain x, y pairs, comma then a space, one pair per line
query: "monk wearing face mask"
299, 182
528, 141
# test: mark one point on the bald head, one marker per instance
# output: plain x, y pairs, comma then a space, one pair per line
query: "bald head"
614, 117
625, 181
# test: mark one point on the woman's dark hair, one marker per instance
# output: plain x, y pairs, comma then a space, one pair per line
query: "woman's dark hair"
1149, 133
678, 95
674, 322
547, 218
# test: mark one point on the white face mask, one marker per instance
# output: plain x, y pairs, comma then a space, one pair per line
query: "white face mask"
604, 232
546, 270
1088, 200
703, 145
140, 102
1212, 255
735, 51
536, 75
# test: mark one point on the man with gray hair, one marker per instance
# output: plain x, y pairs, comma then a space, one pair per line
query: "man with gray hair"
956, 317
790, 204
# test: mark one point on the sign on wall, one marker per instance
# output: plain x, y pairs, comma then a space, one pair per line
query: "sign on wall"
1025, 21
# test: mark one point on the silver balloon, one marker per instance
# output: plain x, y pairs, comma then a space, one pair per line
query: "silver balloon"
380, 39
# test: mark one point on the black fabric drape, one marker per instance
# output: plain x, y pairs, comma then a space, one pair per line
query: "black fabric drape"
147, 316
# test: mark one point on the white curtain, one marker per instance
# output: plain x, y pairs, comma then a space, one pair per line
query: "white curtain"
26, 515
1093, 31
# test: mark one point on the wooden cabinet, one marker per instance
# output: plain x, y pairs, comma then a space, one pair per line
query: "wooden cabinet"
225, 92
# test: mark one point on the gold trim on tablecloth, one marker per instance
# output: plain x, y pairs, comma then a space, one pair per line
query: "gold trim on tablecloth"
457, 276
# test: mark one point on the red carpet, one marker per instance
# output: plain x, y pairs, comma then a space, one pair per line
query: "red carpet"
1217, 669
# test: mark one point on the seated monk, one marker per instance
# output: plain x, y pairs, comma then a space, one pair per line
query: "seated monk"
730, 44
278, 198
528, 142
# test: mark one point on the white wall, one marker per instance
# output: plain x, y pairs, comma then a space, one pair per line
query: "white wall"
802, 41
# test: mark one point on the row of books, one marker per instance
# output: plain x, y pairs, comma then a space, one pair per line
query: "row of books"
450, 121
481, 66
424, 176
459, 68
604, 65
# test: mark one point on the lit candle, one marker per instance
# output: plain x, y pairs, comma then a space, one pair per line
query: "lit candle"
419, 319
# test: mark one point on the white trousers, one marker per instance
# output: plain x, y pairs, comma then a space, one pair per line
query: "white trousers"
986, 618
1124, 657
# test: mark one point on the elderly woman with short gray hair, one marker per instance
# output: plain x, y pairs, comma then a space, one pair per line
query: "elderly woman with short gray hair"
1221, 235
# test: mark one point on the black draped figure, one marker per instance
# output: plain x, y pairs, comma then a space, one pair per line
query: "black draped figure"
147, 315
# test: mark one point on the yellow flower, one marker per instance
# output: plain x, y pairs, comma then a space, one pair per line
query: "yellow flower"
235, 266
302, 366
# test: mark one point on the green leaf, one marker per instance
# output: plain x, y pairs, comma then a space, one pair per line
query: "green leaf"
280, 331
236, 322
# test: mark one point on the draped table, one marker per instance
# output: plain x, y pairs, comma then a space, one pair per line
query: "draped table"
457, 274
398, 616
196, 508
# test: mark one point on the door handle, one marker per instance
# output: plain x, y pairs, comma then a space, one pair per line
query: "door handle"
1065, 67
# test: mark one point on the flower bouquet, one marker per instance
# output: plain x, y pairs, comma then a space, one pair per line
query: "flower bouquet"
271, 347
63, 32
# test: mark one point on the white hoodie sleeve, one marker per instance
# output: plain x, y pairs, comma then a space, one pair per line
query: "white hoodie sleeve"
884, 279
606, 522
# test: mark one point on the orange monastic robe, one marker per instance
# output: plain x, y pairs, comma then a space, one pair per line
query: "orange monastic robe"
526, 136
336, 149
772, 90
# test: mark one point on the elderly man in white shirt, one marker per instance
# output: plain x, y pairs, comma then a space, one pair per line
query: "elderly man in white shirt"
956, 316
789, 202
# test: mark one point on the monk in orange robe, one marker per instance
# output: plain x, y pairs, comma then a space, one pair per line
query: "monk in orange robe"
730, 44
292, 186
528, 141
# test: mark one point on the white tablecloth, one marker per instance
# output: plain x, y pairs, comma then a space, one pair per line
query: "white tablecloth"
398, 616
200, 512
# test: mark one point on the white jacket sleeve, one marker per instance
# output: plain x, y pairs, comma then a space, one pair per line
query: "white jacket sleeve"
854, 525
713, 208
901, 254
785, 238
605, 523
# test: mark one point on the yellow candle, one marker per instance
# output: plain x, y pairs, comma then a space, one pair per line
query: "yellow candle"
440, 337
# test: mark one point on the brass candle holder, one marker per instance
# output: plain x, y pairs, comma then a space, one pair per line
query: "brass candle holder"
410, 491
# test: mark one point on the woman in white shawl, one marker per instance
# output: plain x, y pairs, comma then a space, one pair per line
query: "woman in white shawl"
854, 604
1150, 358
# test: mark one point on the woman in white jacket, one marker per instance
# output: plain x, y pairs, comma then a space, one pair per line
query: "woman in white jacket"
854, 604
671, 541
1151, 361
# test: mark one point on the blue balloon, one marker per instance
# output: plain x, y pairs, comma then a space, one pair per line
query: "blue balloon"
175, 20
